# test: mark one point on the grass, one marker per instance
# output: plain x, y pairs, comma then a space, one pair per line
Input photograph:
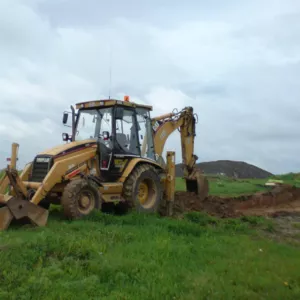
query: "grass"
148, 257
224, 186
290, 178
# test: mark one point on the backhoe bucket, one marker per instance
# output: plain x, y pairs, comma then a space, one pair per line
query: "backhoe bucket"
22, 210
198, 184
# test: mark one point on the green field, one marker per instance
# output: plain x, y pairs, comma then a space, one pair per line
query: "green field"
148, 257
223, 186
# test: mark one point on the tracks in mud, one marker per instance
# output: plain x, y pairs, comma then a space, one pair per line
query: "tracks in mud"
283, 198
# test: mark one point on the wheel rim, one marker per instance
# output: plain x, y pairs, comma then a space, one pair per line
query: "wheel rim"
147, 193
143, 193
86, 202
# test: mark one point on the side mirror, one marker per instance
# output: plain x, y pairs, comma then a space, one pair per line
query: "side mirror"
105, 135
66, 137
65, 117
119, 113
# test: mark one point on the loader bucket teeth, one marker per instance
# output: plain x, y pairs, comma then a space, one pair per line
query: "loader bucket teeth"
5, 217
19, 209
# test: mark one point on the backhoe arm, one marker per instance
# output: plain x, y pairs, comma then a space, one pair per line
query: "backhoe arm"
185, 122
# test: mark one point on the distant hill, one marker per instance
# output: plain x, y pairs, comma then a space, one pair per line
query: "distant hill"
238, 169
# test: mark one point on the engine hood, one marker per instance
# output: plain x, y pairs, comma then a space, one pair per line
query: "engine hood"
64, 149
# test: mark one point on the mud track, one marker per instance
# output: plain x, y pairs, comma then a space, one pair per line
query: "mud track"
281, 199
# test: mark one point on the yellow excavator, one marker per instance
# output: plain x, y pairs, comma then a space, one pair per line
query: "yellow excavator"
112, 155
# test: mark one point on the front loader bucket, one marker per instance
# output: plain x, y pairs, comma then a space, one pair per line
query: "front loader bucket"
19, 209
199, 185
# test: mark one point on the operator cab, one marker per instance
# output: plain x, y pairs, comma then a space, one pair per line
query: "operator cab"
121, 129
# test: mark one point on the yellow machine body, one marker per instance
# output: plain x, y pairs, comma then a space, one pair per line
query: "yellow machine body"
85, 174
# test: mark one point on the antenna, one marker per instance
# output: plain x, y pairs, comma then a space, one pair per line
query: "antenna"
110, 71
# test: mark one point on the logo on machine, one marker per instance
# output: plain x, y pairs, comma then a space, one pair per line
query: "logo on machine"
120, 163
73, 167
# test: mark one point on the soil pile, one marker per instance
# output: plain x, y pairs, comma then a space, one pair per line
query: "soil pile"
237, 169
282, 198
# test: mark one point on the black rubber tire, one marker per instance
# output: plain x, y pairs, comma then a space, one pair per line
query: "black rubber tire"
131, 185
70, 197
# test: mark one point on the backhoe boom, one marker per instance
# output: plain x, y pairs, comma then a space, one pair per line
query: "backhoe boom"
184, 121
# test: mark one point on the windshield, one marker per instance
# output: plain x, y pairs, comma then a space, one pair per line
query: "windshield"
93, 123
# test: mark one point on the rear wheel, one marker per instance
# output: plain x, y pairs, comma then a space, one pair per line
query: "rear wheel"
80, 198
143, 190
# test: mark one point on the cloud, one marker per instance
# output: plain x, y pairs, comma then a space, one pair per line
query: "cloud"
237, 64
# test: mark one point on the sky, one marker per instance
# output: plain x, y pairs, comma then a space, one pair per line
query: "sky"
236, 62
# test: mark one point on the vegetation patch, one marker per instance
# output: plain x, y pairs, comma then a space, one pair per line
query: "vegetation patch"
224, 186
147, 257
141, 256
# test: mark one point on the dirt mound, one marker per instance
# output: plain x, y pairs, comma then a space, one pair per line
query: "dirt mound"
187, 201
283, 198
237, 169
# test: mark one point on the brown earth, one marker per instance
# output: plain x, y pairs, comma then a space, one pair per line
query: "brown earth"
281, 199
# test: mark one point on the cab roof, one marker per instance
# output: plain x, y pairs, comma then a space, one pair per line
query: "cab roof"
110, 102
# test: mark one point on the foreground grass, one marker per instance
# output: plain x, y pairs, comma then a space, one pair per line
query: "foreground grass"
147, 257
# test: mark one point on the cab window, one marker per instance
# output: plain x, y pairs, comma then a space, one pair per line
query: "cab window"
126, 133
145, 133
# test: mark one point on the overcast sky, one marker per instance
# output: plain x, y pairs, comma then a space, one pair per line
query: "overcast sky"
236, 62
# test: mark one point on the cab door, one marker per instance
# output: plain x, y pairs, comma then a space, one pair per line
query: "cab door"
125, 141
145, 133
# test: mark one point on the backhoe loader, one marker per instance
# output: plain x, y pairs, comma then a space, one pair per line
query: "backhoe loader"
112, 155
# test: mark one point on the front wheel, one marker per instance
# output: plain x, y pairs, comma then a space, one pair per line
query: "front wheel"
80, 198
143, 190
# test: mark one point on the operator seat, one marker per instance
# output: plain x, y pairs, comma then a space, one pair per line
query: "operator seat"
122, 140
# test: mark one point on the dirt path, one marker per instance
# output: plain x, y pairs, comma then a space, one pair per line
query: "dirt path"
282, 198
